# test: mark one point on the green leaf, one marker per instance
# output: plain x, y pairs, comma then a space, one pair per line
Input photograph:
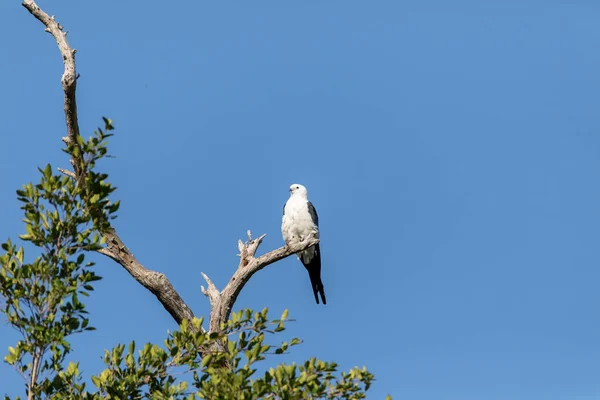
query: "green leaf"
48, 171
72, 369
231, 346
19, 255
96, 381
44, 220
206, 360
108, 124
10, 359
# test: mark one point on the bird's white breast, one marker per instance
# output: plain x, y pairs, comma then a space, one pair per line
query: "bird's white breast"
297, 224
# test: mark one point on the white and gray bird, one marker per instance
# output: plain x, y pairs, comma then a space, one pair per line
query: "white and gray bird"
299, 222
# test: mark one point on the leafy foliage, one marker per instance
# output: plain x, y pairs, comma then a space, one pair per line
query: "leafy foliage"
65, 217
42, 298
152, 373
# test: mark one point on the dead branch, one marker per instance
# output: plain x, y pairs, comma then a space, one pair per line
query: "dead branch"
221, 303
154, 281
69, 77
67, 172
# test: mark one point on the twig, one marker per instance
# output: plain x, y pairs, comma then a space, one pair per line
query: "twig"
67, 172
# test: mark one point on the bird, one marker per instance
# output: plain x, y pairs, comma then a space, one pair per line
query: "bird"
299, 222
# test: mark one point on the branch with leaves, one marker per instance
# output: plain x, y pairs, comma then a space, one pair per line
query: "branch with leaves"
179, 371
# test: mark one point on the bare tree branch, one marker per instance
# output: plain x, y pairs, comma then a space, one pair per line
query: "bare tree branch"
154, 281
67, 172
69, 77
211, 292
221, 303
35, 369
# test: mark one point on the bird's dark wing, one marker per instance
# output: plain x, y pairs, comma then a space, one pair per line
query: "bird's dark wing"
313, 266
313, 213
284, 208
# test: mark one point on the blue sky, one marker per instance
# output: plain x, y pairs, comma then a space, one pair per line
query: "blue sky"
451, 150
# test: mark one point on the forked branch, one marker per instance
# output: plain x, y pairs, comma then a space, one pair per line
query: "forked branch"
222, 302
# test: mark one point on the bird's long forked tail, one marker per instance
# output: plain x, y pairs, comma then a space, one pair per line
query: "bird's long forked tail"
318, 288
314, 272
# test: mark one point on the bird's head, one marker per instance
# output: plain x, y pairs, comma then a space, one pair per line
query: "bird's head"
298, 190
